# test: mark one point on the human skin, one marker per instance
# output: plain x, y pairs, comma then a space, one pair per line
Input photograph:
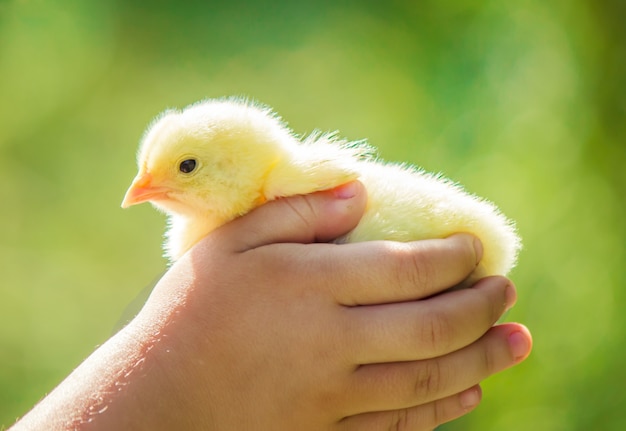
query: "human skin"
265, 326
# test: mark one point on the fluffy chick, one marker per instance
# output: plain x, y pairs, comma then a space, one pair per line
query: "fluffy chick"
218, 159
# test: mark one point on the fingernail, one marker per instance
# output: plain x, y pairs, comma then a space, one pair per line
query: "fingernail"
470, 398
478, 250
510, 295
518, 343
346, 191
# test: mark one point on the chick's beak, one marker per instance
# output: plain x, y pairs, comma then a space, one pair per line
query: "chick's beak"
143, 190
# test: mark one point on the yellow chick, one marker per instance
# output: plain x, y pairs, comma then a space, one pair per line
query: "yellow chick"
218, 159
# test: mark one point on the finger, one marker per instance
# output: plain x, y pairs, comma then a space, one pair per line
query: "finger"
393, 386
386, 271
318, 217
422, 417
376, 272
428, 328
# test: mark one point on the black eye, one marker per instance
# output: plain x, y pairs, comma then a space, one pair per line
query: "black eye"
187, 166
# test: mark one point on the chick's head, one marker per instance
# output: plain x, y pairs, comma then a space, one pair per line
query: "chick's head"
209, 160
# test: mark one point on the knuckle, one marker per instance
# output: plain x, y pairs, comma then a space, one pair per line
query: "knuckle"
400, 420
423, 269
428, 381
412, 419
434, 330
411, 269
302, 209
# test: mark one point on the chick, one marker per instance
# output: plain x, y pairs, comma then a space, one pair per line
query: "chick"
218, 159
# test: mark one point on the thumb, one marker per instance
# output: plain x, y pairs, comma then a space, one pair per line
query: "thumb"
317, 217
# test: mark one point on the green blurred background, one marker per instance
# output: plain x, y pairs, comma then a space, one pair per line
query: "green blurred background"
523, 102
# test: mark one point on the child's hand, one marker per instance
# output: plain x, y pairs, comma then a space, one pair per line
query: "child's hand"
260, 328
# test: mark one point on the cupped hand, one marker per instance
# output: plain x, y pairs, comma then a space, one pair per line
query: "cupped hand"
272, 331
266, 326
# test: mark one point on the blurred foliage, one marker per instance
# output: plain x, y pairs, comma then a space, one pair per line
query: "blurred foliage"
523, 102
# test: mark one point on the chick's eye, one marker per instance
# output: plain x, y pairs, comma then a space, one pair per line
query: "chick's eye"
187, 166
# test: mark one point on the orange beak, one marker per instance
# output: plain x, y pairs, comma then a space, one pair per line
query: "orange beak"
142, 190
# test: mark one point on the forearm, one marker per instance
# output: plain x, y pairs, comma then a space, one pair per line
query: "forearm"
117, 387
